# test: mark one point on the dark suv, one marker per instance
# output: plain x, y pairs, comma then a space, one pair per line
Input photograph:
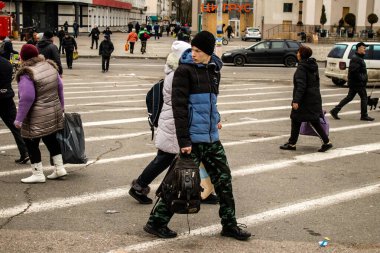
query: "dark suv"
265, 52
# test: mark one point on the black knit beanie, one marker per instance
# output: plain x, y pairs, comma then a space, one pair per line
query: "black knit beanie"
205, 41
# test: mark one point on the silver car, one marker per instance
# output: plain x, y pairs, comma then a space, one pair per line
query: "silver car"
251, 33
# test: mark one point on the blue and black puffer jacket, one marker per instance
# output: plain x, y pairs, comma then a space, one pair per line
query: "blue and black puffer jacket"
194, 98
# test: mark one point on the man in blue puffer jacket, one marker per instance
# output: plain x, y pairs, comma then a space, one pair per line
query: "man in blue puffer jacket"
196, 118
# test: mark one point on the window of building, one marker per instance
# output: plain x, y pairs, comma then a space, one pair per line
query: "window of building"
376, 52
288, 7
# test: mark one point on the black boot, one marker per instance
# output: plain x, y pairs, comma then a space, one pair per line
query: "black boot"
325, 147
162, 232
140, 193
236, 232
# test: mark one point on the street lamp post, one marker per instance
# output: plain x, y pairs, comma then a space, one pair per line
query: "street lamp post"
219, 27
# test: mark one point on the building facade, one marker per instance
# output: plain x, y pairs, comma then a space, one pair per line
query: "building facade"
50, 14
269, 14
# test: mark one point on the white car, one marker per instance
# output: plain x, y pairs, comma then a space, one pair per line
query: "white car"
252, 33
339, 58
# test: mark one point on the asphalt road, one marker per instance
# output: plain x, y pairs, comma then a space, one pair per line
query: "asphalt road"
290, 200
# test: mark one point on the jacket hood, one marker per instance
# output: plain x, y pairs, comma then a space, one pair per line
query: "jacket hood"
44, 42
186, 58
310, 64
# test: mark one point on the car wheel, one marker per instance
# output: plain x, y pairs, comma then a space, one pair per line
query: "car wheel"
239, 60
338, 82
290, 61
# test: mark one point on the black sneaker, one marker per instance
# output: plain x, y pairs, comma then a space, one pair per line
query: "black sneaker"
162, 232
140, 197
367, 118
23, 159
288, 146
212, 199
236, 232
334, 114
325, 147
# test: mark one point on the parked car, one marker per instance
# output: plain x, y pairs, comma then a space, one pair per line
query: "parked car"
339, 58
265, 52
251, 33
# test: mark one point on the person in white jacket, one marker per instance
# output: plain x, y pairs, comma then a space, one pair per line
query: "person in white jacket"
166, 138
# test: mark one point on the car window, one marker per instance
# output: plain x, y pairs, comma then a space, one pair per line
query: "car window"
252, 30
337, 51
293, 44
367, 55
261, 46
278, 45
376, 52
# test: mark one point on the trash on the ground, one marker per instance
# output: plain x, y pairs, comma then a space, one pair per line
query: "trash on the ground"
325, 242
111, 211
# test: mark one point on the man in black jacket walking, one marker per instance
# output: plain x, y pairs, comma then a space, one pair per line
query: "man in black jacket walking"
8, 108
357, 82
69, 44
50, 51
105, 50
94, 36
61, 35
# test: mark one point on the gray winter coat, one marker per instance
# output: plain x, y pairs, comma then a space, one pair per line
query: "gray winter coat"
166, 138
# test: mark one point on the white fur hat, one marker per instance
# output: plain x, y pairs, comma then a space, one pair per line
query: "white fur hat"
178, 47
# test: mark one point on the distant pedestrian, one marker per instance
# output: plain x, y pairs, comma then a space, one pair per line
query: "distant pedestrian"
66, 26
105, 50
33, 40
307, 100
8, 49
130, 27
183, 36
40, 112
149, 28
49, 50
70, 45
167, 30
94, 34
132, 38
8, 108
357, 82
137, 27
61, 35
108, 32
76, 29
229, 31
156, 31
144, 37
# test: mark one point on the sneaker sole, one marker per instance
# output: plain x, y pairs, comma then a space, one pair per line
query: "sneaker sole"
153, 232
135, 196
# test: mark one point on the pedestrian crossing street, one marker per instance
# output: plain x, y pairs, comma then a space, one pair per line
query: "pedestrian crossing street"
273, 188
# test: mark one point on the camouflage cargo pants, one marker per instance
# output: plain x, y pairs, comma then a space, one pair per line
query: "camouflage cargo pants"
215, 161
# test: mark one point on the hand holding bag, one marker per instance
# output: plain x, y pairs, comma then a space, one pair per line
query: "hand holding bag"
71, 139
307, 128
75, 55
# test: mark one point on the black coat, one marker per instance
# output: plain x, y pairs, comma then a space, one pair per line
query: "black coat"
94, 33
6, 70
306, 92
50, 51
357, 72
106, 48
69, 43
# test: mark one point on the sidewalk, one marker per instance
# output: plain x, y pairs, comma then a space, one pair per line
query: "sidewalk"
159, 49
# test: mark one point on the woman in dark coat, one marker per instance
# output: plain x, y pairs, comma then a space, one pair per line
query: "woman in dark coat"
307, 101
